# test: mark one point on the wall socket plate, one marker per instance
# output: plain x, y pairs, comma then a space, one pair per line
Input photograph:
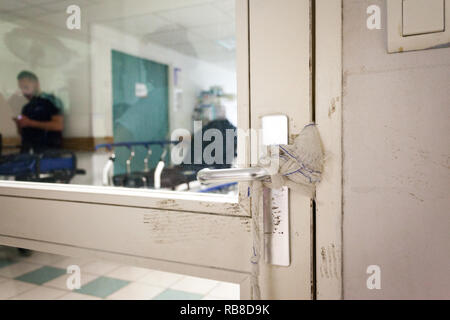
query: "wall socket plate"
400, 36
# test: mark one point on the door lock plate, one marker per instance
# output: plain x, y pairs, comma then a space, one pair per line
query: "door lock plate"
276, 201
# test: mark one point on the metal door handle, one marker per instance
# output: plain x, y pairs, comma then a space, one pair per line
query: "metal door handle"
207, 176
275, 203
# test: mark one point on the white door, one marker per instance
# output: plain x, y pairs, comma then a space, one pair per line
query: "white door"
192, 233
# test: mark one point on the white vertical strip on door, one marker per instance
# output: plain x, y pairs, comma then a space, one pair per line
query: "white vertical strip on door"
280, 78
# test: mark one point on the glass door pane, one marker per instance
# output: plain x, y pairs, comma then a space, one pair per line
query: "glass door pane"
135, 94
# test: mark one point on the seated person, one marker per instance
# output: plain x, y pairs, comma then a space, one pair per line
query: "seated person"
41, 123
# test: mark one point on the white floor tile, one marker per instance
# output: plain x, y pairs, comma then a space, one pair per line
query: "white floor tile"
146, 283
61, 282
41, 258
136, 291
18, 269
225, 290
70, 261
99, 267
40, 293
195, 285
161, 279
78, 296
12, 288
128, 273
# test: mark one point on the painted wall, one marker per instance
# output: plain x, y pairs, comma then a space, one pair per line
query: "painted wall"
66, 80
396, 112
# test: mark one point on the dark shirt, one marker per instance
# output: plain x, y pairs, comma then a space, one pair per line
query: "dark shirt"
229, 147
40, 108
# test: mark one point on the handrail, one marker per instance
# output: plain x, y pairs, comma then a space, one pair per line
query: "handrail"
130, 144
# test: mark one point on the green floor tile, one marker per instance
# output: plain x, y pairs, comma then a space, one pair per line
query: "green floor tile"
6, 262
102, 287
41, 275
171, 294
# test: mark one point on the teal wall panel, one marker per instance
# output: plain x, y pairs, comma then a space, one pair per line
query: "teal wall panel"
134, 118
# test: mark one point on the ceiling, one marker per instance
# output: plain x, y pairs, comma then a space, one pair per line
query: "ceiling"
204, 29
33, 8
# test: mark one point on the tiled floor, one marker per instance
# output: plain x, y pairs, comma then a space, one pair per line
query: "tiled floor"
43, 276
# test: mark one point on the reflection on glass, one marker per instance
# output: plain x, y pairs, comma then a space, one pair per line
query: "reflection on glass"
138, 94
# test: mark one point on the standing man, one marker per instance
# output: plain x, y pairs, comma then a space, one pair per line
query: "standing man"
41, 123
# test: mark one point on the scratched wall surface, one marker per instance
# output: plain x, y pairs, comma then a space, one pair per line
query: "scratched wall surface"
396, 189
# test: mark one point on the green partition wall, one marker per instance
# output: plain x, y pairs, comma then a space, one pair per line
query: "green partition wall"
138, 116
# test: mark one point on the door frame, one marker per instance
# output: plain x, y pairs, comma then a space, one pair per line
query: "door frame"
200, 213
201, 235
328, 115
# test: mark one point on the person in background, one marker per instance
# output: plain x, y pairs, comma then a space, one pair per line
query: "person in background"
41, 122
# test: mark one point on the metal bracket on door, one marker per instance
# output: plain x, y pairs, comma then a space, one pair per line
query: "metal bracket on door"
276, 201
276, 226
